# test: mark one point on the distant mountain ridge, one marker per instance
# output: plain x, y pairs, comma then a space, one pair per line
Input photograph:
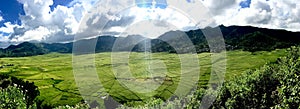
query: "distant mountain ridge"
236, 37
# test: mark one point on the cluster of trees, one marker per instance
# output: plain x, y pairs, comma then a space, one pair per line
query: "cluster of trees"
16, 92
275, 85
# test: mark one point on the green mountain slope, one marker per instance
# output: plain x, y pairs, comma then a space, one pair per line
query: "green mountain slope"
236, 37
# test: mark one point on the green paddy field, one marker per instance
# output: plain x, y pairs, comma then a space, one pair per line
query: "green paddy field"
53, 73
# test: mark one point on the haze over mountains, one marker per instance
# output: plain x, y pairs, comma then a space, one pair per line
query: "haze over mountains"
236, 37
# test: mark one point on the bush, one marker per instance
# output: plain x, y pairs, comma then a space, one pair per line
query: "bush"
12, 98
12, 86
275, 85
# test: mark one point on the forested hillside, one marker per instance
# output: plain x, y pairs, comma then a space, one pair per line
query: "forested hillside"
236, 37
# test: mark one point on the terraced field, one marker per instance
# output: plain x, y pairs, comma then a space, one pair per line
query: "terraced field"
53, 73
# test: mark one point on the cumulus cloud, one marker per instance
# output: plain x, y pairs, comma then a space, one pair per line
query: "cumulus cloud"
5, 31
275, 14
218, 7
41, 24
163, 16
152, 23
103, 16
123, 17
82, 18
8, 28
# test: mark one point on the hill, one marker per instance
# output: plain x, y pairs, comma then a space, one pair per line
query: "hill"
246, 38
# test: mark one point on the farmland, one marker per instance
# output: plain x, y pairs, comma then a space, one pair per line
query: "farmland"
53, 73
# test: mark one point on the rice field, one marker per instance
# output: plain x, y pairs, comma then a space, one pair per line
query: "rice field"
157, 74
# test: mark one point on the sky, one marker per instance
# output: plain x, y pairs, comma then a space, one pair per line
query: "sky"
61, 20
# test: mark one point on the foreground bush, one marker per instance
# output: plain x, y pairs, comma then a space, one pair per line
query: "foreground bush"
12, 98
15, 92
275, 85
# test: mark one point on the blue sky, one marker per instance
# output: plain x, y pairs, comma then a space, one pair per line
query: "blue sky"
60, 2
245, 4
58, 20
10, 11
149, 3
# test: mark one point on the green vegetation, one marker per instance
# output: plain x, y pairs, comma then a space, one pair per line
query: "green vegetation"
12, 97
15, 93
275, 86
53, 75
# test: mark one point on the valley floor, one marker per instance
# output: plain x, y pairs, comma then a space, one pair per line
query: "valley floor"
53, 73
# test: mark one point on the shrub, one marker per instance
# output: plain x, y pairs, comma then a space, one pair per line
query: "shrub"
12, 98
275, 85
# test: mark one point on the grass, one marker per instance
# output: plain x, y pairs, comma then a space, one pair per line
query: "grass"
53, 74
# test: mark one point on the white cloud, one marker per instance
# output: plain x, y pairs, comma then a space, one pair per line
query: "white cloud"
34, 35
152, 23
148, 29
6, 30
1, 18
164, 15
9, 28
275, 14
221, 7
103, 15
118, 17
62, 21
41, 24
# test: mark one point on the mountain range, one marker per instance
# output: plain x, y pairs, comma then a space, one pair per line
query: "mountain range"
246, 38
